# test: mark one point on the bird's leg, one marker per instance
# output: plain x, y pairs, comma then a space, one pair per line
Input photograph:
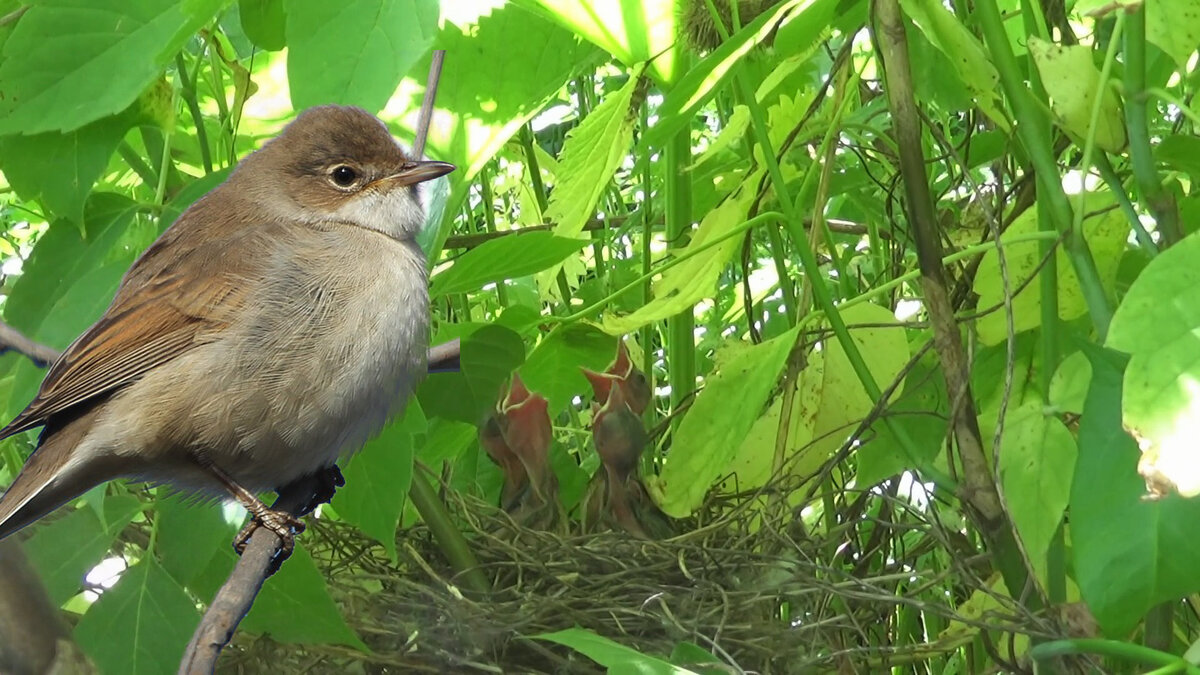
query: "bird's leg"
282, 523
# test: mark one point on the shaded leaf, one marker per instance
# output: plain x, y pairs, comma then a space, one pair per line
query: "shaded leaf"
140, 625
377, 479
59, 169
190, 534
63, 551
552, 369
294, 607
1129, 554
264, 22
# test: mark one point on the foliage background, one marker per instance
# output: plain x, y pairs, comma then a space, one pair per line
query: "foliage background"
710, 191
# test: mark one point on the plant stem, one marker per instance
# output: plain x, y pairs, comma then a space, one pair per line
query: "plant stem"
1159, 200
189, 97
451, 542
681, 342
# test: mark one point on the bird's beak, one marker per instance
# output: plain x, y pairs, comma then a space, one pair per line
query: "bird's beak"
419, 172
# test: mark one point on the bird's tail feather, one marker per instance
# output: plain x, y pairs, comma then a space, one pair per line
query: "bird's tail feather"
49, 478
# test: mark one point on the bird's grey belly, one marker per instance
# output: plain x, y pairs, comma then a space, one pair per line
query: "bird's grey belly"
311, 376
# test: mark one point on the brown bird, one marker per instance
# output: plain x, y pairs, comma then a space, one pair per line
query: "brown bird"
516, 480
623, 373
620, 440
273, 328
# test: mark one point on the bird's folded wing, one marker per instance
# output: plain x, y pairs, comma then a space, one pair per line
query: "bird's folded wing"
163, 308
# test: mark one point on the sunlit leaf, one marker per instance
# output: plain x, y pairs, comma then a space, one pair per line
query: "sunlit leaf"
616, 657
504, 258
1073, 81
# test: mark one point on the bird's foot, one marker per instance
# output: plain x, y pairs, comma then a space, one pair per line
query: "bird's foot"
283, 524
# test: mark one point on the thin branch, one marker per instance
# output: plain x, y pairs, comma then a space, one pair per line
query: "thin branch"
12, 340
431, 87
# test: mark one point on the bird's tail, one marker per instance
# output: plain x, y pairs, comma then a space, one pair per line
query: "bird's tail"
49, 478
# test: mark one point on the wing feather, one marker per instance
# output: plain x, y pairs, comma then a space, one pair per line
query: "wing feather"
167, 304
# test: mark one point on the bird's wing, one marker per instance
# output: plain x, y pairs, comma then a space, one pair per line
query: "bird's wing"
179, 294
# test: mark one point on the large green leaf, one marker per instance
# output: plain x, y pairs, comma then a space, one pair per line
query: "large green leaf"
504, 258
489, 355
141, 625
715, 425
324, 66
1130, 554
1174, 25
63, 551
294, 606
1158, 323
1037, 463
377, 479
553, 367
612, 655
634, 31
69, 62
264, 22
59, 169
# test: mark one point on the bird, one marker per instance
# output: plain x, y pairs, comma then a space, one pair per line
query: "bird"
624, 374
272, 329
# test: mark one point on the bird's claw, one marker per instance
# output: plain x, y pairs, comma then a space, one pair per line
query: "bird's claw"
283, 524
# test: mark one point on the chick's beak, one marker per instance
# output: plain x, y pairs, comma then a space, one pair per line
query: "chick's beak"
419, 172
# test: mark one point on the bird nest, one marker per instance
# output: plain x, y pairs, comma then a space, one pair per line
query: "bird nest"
745, 583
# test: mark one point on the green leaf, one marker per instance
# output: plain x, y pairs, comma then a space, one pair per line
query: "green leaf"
1157, 324
701, 82
326, 67
489, 355
634, 31
924, 391
504, 258
1105, 234
1072, 81
691, 281
63, 551
294, 607
618, 658
190, 534
720, 418
70, 62
553, 367
377, 479
141, 625
967, 56
264, 22
590, 155
59, 169
1037, 462
1130, 554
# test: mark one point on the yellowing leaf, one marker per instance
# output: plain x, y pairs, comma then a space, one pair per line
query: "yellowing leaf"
1072, 81
1174, 25
1105, 233
971, 64
684, 285
724, 412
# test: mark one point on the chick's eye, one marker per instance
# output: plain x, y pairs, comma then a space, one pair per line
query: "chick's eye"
343, 175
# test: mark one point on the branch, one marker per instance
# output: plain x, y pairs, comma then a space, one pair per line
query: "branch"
12, 339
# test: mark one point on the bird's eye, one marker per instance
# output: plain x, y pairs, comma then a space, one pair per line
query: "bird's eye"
343, 176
